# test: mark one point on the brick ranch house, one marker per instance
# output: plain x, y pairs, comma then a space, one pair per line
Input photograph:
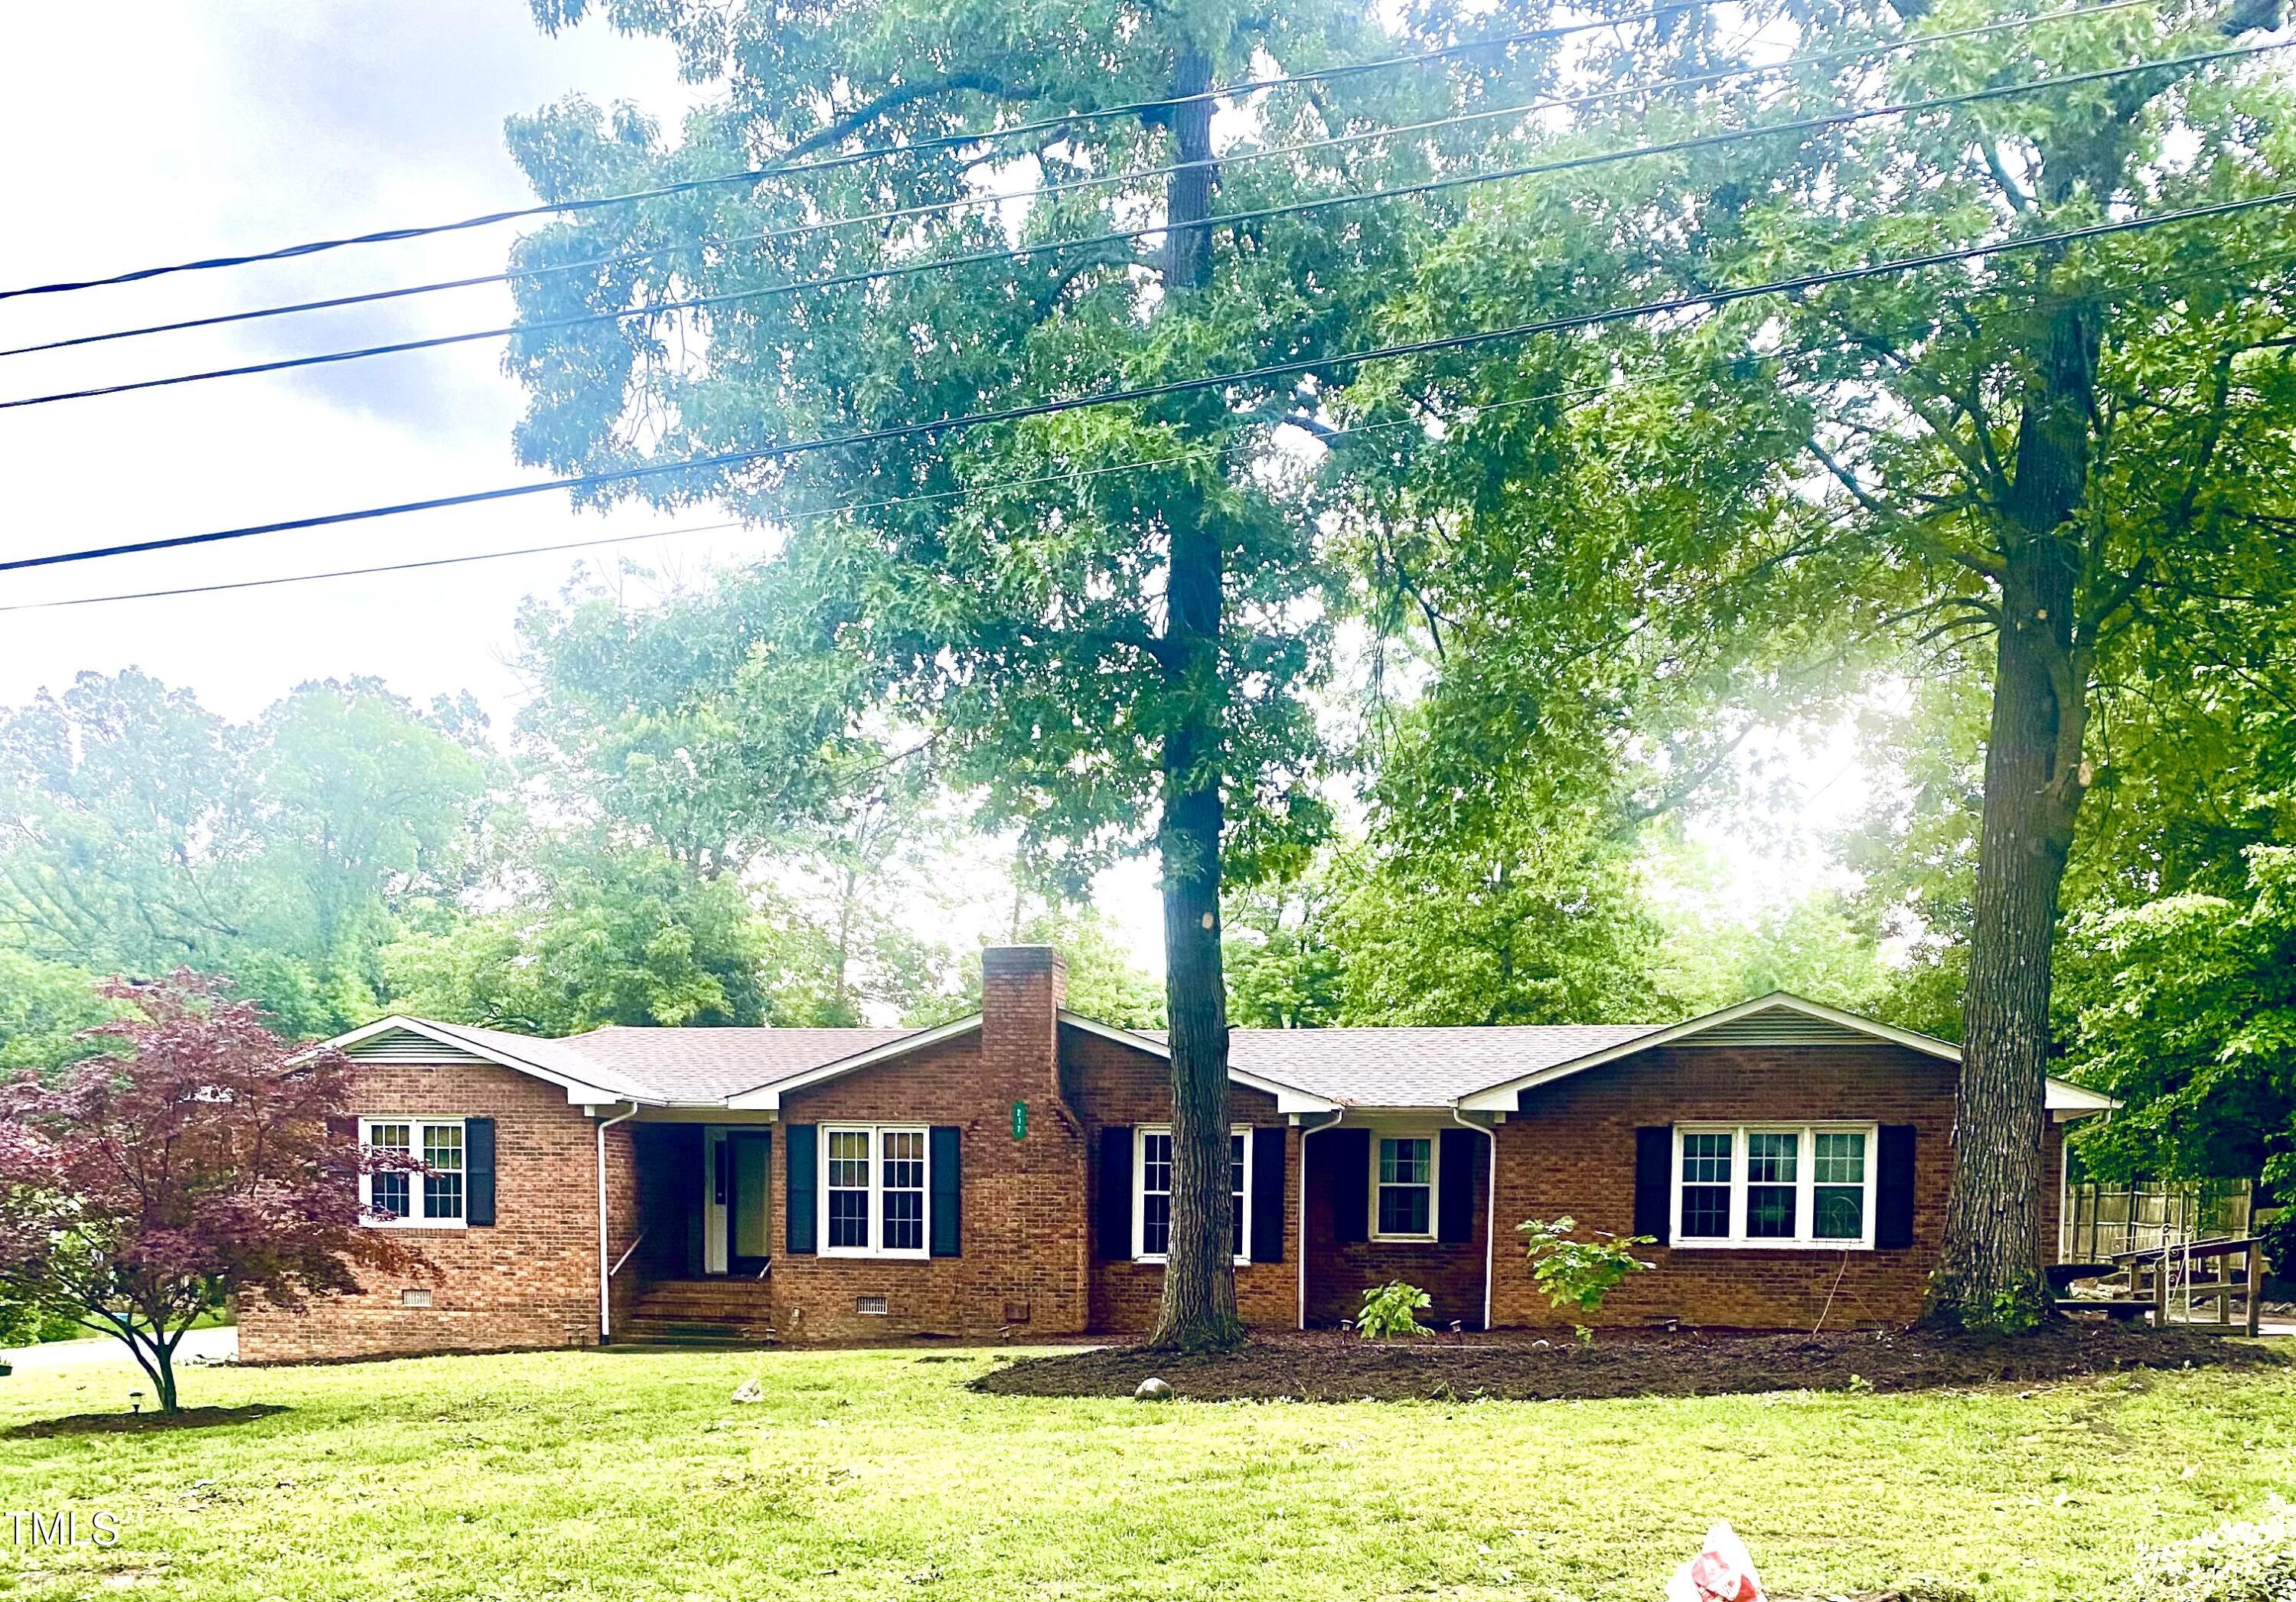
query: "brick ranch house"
1010, 1171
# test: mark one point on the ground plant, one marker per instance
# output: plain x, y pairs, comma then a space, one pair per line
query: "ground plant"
1391, 1310
1576, 1273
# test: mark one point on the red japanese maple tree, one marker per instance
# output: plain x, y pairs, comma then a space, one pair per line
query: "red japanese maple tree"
210, 1158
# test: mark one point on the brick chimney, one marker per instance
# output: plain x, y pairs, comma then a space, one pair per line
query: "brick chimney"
1022, 990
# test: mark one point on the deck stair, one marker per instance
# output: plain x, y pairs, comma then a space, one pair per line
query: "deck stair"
697, 1312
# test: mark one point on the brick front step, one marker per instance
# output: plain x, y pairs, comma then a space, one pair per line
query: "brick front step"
690, 1332
697, 1312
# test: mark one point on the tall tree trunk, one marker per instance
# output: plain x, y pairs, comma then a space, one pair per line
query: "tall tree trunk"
1198, 1310
1989, 1274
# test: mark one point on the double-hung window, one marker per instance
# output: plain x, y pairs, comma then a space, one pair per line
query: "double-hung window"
1151, 1198
1810, 1185
873, 1189
1403, 1188
432, 1197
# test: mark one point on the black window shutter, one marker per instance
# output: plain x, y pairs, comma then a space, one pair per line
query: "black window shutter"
801, 1154
1348, 1151
1455, 1186
947, 1190
1112, 1218
1268, 1196
1893, 1188
478, 1171
1654, 1177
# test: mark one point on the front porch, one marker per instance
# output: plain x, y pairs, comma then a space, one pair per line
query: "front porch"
697, 1263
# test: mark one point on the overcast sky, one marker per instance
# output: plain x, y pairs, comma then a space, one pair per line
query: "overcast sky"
147, 133
229, 125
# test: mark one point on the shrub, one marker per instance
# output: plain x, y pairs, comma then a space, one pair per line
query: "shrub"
2236, 1563
1579, 1273
1391, 1310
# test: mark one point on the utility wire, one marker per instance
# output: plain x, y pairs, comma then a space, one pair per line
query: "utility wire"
773, 235
1705, 299
1468, 413
1227, 220
853, 158
812, 515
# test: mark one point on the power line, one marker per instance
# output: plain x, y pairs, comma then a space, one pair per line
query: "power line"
1221, 221
842, 508
851, 158
1706, 299
1471, 411
773, 235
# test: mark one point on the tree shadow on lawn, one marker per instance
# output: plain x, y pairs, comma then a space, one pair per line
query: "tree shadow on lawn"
140, 1424
1514, 1365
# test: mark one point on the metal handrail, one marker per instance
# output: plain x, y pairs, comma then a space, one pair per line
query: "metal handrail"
625, 1257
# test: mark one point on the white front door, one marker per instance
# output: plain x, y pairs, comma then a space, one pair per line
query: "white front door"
717, 1191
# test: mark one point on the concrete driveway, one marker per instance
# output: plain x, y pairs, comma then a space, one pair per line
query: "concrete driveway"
218, 1346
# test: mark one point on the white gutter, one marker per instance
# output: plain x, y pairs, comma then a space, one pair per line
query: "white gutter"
605, 1259
1490, 1205
1338, 1114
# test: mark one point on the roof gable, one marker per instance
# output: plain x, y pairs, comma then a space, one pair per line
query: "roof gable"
1777, 1019
422, 1041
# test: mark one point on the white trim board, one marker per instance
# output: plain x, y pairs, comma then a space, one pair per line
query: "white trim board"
579, 1092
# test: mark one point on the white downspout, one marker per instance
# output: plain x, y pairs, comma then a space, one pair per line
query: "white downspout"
605, 1257
1490, 1205
1339, 1114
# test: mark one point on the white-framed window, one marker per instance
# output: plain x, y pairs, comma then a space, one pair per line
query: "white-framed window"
1774, 1185
1403, 1186
434, 1200
1152, 1192
873, 1183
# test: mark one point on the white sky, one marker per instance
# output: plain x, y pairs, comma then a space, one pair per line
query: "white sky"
232, 125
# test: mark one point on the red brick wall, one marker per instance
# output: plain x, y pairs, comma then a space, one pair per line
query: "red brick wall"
1022, 1235
1571, 1150
531, 1279
1024, 1219
1339, 1273
1111, 1084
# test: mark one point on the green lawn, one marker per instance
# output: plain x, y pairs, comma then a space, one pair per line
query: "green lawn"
630, 1476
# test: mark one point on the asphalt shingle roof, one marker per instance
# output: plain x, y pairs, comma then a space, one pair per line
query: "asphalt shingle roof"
1421, 1067
1403, 1067
710, 1064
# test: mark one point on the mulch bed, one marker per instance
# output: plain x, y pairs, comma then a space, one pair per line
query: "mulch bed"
138, 1423
1333, 1366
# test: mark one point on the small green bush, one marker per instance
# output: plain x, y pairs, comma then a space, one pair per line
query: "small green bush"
1579, 1273
1391, 1310
2236, 1563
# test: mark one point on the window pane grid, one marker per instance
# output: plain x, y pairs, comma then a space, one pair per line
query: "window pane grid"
904, 1167
1791, 1187
1235, 1186
848, 1189
392, 1193
1406, 1201
1155, 1194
